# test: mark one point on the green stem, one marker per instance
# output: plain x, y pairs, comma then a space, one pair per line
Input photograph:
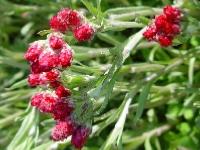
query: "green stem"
133, 14
116, 25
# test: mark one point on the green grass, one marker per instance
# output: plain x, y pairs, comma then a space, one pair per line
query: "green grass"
140, 95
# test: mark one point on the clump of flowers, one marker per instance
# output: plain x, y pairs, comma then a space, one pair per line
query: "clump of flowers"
47, 59
70, 20
164, 27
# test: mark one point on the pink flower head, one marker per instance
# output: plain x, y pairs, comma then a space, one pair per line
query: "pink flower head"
160, 22
48, 103
34, 51
61, 91
45, 102
57, 25
150, 33
163, 26
173, 14
62, 109
65, 57
52, 75
164, 40
36, 79
36, 99
84, 32
62, 130
56, 42
63, 15
36, 68
69, 17
80, 136
74, 19
48, 59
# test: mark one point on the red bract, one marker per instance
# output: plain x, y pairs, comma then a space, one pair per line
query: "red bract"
74, 19
163, 26
45, 102
173, 14
52, 75
48, 103
36, 68
57, 25
48, 60
62, 130
80, 136
164, 40
56, 42
63, 15
150, 33
160, 22
69, 17
62, 109
34, 51
36, 99
36, 79
84, 32
61, 91
65, 57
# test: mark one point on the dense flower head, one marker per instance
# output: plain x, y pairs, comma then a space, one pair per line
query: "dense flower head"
150, 33
62, 129
65, 18
61, 91
57, 25
160, 21
36, 99
173, 14
69, 17
48, 59
52, 75
80, 136
164, 40
62, 109
65, 57
46, 101
36, 79
165, 26
34, 51
35, 67
56, 42
84, 32
74, 19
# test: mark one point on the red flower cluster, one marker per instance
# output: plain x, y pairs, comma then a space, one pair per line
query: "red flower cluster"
68, 19
47, 58
165, 26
